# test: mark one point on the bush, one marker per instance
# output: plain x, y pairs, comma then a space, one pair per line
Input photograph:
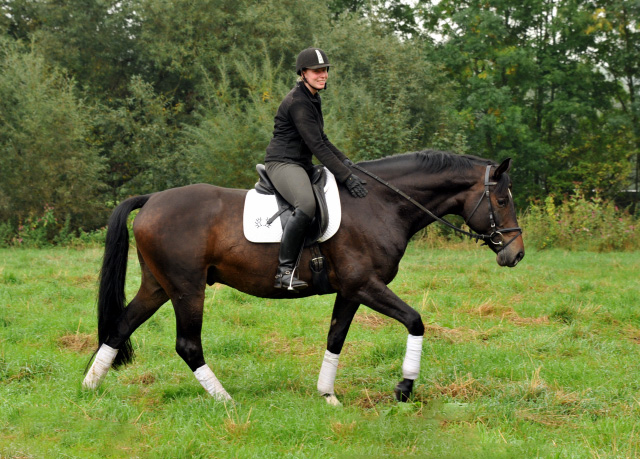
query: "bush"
45, 230
47, 156
580, 223
6, 234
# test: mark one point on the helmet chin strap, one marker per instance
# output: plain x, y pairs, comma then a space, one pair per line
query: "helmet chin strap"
305, 80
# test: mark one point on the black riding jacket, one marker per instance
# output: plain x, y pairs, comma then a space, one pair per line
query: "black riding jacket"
298, 134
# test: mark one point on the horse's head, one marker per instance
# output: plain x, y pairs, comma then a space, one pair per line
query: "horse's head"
490, 211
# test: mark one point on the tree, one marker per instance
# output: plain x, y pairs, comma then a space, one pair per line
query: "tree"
140, 139
384, 96
94, 41
532, 89
382, 99
235, 125
46, 158
618, 50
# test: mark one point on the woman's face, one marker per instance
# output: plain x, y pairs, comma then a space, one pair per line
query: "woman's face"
316, 78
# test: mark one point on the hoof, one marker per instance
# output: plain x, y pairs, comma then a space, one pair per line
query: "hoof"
332, 399
223, 397
403, 390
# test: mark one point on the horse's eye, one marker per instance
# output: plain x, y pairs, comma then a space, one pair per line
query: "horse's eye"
502, 202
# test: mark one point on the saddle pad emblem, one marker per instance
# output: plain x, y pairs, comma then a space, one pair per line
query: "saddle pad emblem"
259, 208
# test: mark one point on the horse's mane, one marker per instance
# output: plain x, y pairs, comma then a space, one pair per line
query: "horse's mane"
432, 161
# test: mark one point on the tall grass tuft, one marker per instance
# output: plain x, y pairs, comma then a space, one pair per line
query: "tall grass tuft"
580, 223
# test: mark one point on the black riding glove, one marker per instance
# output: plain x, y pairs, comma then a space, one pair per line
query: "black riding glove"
356, 186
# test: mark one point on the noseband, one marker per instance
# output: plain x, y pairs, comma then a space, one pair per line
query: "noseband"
495, 239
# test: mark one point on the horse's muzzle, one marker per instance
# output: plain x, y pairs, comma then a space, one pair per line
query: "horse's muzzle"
511, 255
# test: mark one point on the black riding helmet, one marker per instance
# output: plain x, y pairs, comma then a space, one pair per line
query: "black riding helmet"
311, 58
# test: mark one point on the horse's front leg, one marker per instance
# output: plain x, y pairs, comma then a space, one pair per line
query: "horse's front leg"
343, 312
380, 298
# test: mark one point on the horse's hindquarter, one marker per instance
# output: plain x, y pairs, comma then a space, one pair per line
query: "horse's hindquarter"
186, 228
196, 232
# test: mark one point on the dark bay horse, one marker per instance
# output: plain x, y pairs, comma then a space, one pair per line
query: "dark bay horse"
192, 236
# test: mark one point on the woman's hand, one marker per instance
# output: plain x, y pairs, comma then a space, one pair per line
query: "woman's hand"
355, 185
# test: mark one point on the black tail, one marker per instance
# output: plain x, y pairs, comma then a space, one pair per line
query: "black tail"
111, 298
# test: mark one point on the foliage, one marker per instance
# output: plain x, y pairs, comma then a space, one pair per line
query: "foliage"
105, 100
532, 88
580, 223
372, 108
619, 52
46, 157
235, 124
44, 230
140, 139
94, 41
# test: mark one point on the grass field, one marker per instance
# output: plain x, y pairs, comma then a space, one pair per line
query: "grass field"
537, 361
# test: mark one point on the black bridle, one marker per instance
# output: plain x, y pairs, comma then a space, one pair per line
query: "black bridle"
496, 238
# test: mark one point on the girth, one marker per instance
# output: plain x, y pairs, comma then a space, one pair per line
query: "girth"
318, 181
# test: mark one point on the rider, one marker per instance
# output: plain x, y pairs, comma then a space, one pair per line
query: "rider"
298, 134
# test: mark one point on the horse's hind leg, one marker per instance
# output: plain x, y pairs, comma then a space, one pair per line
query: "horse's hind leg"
343, 312
188, 307
147, 301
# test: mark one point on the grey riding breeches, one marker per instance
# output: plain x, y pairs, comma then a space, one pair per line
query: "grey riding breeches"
292, 182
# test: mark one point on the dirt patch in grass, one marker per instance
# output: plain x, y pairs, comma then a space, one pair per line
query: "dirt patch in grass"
491, 310
278, 344
343, 429
545, 418
373, 321
88, 280
632, 334
517, 320
454, 335
78, 342
372, 400
465, 388
146, 379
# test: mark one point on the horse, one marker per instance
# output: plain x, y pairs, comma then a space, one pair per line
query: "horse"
191, 237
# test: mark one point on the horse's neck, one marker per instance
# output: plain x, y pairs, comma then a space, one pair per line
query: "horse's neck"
442, 193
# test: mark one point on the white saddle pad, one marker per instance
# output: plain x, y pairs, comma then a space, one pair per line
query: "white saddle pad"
258, 208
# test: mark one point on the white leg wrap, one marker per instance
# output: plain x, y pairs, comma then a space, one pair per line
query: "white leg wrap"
104, 358
211, 383
328, 372
411, 364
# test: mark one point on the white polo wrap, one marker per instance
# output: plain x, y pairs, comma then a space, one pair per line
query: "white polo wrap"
104, 358
328, 372
211, 384
411, 364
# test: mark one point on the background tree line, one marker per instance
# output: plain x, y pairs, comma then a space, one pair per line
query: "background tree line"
104, 99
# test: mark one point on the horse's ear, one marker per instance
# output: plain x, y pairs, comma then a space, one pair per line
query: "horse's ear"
502, 168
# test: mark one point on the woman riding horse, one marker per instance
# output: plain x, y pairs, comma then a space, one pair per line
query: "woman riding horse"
298, 135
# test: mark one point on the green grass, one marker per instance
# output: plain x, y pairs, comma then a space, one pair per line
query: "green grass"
537, 361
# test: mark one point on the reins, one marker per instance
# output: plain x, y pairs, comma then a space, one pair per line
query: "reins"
486, 238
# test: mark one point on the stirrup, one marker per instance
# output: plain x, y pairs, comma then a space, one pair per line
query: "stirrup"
287, 280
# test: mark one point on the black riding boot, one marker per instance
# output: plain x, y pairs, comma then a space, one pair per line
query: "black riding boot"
290, 247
